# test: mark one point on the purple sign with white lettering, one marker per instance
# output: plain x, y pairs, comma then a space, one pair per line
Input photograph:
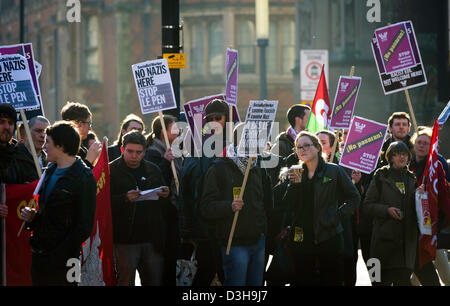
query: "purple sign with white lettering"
232, 65
344, 102
363, 146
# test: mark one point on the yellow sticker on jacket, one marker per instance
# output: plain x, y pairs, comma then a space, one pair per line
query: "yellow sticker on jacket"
236, 192
298, 234
401, 187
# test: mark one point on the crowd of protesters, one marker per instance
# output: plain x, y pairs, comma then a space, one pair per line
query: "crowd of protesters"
308, 212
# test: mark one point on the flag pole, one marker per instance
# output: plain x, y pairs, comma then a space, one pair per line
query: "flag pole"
236, 214
160, 114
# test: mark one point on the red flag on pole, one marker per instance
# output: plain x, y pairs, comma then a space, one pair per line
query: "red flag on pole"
428, 243
320, 116
97, 262
18, 249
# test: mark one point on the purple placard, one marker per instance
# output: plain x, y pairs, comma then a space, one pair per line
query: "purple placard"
232, 67
404, 78
363, 146
395, 47
344, 102
194, 111
26, 50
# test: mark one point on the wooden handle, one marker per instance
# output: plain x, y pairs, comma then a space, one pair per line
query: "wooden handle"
166, 138
236, 214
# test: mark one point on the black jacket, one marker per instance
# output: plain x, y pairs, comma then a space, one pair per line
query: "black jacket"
114, 152
285, 145
65, 220
221, 179
11, 169
126, 215
26, 162
332, 187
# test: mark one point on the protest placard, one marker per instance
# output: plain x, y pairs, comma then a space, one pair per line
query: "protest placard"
194, 111
26, 50
16, 84
364, 142
344, 102
154, 86
398, 58
257, 128
232, 68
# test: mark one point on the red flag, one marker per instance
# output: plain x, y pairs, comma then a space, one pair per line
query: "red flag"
18, 249
320, 116
428, 243
97, 262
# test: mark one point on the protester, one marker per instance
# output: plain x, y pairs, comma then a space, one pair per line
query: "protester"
391, 200
427, 274
316, 212
195, 228
10, 173
399, 125
159, 154
24, 156
82, 117
327, 140
131, 122
244, 265
297, 115
138, 226
67, 200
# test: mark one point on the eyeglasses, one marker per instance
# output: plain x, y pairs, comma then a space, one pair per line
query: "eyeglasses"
305, 147
214, 118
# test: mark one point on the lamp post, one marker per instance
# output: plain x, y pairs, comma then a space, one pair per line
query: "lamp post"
262, 39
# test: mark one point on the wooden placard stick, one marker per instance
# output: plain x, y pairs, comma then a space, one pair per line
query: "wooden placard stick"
230, 125
177, 184
413, 117
30, 142
236, 214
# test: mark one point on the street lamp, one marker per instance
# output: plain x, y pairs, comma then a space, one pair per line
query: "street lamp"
262, 39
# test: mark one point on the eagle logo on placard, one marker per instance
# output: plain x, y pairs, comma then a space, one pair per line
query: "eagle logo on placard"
383, 36
199, 109
359, 127
344, 86
403, 83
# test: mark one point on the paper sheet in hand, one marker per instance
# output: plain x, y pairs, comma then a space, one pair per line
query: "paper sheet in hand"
150, 194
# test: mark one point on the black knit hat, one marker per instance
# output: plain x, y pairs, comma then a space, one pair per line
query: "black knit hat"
216, 107
6, 110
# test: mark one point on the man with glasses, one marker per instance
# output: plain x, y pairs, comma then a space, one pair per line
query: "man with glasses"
82, 117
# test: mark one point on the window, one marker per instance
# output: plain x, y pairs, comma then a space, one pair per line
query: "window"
246, 46
196, 49
215, 47
90, 58
288, 46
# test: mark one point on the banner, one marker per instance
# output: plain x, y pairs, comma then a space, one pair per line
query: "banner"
97, 261
195, 112
428, 243
257, 128
18, 249
344, 102
398, 58
154, 86
232, 68
363, 145
319, 118
26, 50
16, 87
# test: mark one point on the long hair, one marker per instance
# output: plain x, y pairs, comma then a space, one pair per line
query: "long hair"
315, 141
124, 126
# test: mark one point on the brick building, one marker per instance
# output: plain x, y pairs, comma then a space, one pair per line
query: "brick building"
90, 61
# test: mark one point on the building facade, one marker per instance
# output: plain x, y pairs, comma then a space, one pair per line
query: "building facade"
90, 61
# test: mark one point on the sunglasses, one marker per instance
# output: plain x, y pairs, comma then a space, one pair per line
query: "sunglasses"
305, 147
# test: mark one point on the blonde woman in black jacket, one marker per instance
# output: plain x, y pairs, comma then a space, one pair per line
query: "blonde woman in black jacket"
316, 211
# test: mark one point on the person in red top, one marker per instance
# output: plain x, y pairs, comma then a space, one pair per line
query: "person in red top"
421, 140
